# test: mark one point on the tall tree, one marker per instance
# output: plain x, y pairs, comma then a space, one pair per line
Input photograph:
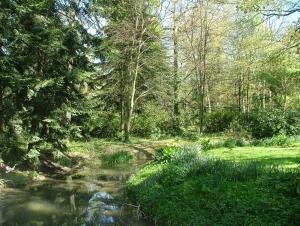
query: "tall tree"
134, 34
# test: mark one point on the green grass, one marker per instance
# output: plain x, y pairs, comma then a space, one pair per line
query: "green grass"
120, 157
200, 189
94, 145
282, 156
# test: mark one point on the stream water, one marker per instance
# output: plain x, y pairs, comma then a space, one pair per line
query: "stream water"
97, 198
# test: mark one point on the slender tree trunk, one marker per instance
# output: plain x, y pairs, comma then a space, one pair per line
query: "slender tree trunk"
1, 113
131, 101
247, 92
264, 95
176, 79
122, 102
241, 93
1, 99
204, 35
284, 85
208, 99
133, 74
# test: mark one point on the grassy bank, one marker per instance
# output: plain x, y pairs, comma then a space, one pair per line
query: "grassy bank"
287, 157
190, 188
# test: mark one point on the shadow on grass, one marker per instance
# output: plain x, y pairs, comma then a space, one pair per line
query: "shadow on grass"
201, 190
279, 161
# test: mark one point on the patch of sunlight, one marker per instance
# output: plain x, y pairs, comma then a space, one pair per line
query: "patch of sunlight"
41, 206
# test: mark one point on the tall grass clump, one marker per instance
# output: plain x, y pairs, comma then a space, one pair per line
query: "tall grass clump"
120, 157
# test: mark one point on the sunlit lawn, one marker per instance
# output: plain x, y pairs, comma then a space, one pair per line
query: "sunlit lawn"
282, 156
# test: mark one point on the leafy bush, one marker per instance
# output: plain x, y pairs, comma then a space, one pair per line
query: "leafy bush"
219, 121
25, 150
165, 154
152, 120
279, 140
230, 143
241, 142
206, 144
271, 122
189, 135
237, 128
104, 125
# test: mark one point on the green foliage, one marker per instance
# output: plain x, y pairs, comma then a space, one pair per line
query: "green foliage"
206, 144
62, 159
241, 142
190, 135
165, 154
103, 125
152, 121
262, 124
33, 158
230, 143
59, 82
279, 140
41, 79
259, 123
200, 190
219, 121
120, 157
2, 183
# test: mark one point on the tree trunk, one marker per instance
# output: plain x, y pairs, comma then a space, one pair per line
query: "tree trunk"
176, 79
240, 93
122, 103
264, 95
1, 113
136, 53
130, 107
204, 34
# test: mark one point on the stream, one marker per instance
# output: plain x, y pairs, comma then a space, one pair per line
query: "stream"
97, 198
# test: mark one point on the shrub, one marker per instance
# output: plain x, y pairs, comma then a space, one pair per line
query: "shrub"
219, 121
165, 154
271, 122
152, 120
206, 144
241, 142
189, 135
230, 143
237, 129
279, 140
104, 125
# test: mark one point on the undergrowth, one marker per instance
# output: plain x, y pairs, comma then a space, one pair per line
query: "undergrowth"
280, 140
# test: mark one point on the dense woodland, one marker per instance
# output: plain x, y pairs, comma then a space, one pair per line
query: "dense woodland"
149, 112
82, 69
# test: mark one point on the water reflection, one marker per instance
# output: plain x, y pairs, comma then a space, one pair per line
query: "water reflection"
101, 209
95, 199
